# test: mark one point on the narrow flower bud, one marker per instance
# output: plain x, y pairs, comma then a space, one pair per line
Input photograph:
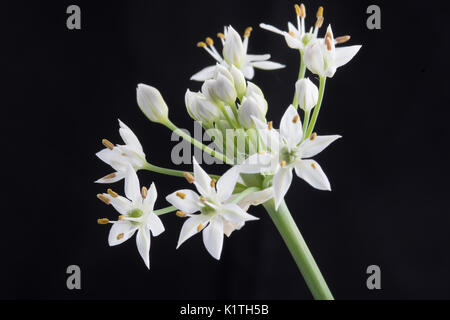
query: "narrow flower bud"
249, 109
233, 48
239, 81
307, 94
200, 108
152, 103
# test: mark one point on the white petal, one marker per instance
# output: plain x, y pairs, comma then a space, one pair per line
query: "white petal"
150, 199
248, 72
345, 54
290, 130
132, 188
121, 204
143, 245
258, 57
190, 204
202, 180
310, 171
117, 176
213, 237
256, 163
120, 232
229, 227
271, 28
256, 198
129, 137
190, 227
204, 74
234, 213
225, 185
113, 158
155, 225
312, 147
267, 65
281, 183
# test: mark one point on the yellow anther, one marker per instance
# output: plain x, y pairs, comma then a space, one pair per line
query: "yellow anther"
342, 39
108, 144
181, 195
144, 192
247, 32
303, 9
261, 152
209, 41
203, 199
270, 125
112, 193
201, 44
124, 154
296, 118
292, 34
298, 10
103, 198
313, 136
200, 227
283, 163
220, 35
181, 214
121, 217
103, 221
319, 22
189, 177
109, 176
119, 236
328, 35
213, 183
313, 165
328, 43
319, 13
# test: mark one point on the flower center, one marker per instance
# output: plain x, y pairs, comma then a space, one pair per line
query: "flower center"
208, 210
287, 155
135, 213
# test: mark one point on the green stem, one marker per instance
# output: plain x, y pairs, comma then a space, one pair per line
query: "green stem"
165, 210
301, 75
245, 193
299, 250
317, 108
197, 143
306, 121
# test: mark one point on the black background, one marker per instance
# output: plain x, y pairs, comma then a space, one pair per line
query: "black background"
64, 90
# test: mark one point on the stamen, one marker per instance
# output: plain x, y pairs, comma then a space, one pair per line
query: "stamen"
121, 217
298, 10
319, 22
313, 136
189, 177
220, 35
109, 176
203, 199
144, 192
296, 118
181, 195
201, 44
103, 198
247, 32
319, 13
213, 183
261, 152
328, 43
124, 154
313, 165
119, 236
103, 221
283, 163
270, 125
209, 41
181, 214
200, 227
342, 39
108, 144
292, 34
303, 13
112, 193
328, 35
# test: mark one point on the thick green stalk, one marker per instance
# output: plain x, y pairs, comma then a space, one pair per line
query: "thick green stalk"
197, 143
299, 250
312, 123
301, 75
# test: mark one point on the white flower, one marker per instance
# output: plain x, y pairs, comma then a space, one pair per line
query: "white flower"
298, 37
251, 108
221, 87
136, 214
234, 53
151, 103
288, 152
120, 156
218, 215
323, 58
307, 94
200, 108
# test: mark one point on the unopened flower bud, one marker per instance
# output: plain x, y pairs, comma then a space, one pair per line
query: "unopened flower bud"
151, 103
233, 48
220, 89
307, 94
254, 91
239, 81
248, 109
200, 108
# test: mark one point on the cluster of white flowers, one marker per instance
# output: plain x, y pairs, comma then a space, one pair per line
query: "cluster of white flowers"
228, 101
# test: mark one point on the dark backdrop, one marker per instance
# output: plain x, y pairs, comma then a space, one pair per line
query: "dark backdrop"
64, 90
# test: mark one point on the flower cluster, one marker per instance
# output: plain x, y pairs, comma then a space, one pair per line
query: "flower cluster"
233, 111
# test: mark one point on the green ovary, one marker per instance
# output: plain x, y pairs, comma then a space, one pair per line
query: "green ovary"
135, 213
287, 155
